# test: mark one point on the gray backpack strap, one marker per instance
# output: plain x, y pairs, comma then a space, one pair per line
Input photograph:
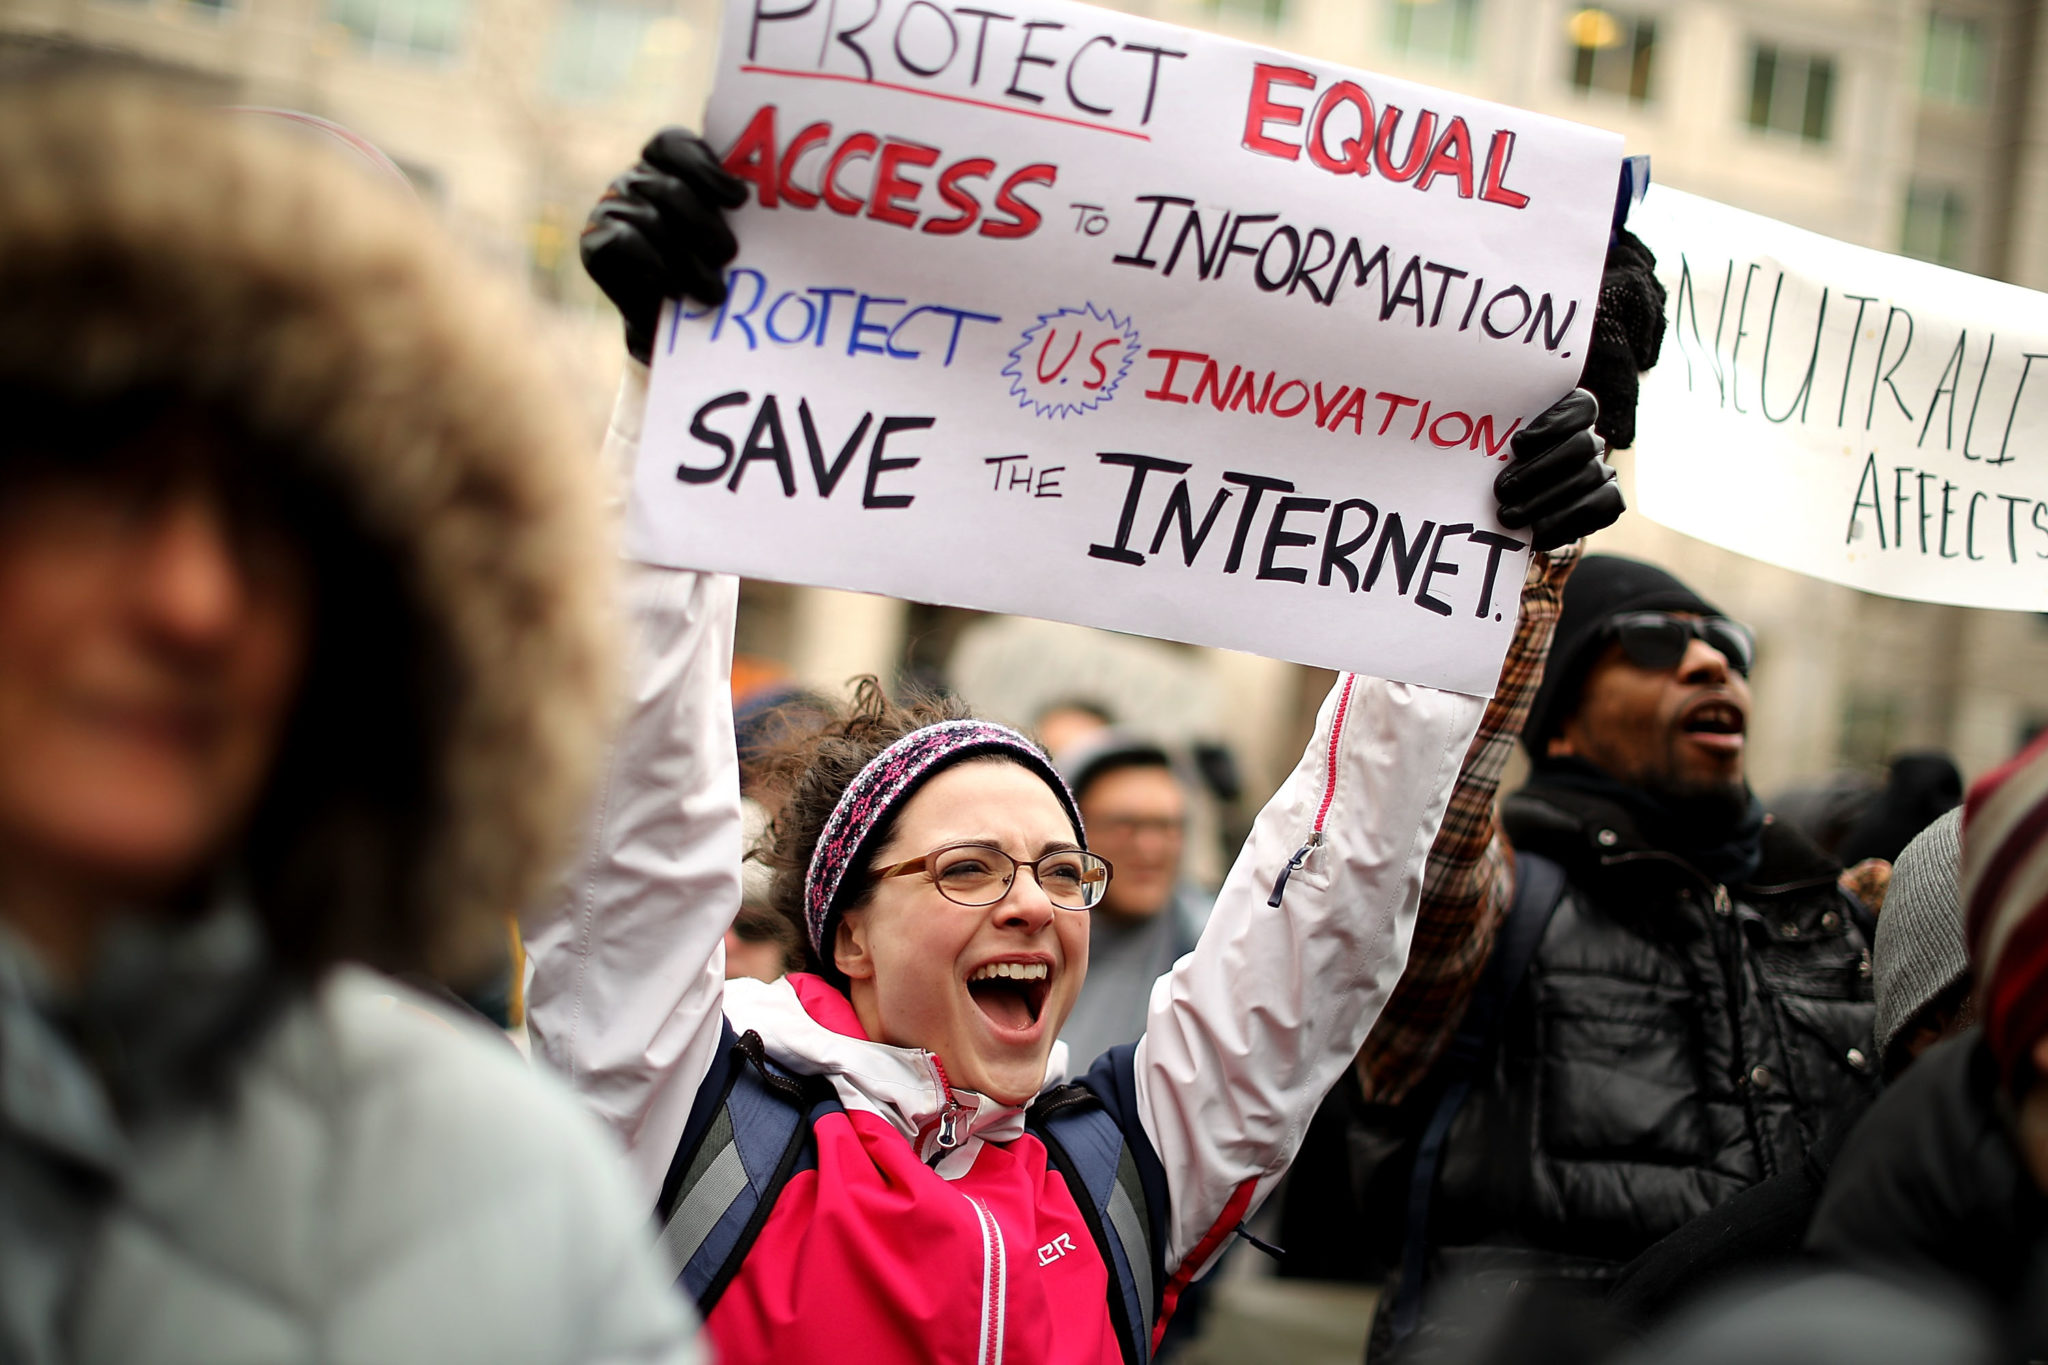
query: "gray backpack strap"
731, 1179
1088, 1149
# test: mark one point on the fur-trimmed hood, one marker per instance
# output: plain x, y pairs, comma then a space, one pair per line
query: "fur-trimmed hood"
148, 244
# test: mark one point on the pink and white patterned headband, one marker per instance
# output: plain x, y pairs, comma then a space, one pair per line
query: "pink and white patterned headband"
879, 790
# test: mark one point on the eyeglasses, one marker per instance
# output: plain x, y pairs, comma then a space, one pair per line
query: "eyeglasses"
1131, 826
1658, 639
979, 875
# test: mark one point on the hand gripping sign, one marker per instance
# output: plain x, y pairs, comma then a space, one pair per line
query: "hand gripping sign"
1047, 309
1859, 417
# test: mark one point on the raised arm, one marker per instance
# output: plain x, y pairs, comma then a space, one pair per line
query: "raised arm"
1469, 882
1312, 929
629, 961
1249, 1031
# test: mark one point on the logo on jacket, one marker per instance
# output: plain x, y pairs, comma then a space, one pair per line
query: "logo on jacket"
1056, 1248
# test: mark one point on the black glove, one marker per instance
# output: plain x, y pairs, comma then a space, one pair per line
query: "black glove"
1558, 485
1628, 332
659, 232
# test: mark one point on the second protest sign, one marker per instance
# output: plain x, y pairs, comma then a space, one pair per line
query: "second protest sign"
1061, 312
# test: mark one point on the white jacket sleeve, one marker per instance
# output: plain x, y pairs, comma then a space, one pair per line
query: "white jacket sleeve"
628, 962
1249, 1031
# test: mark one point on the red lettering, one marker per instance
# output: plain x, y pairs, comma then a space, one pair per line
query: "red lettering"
813, 135
752, 155
892, 189
965, 206
858, 147
1324, 407
1452, 157
1498, 154
1260, 109
1242, 396
1395, 402
1356, 158
1279, 407
1045, 349
1418, 143
1219, 394
1173, 360
1095, 362
1354, 408
1436, 430
1482, 434
1024, 218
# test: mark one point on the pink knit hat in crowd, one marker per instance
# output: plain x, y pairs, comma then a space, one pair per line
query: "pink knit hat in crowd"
2005, 905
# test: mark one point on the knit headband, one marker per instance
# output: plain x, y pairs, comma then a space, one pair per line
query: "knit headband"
879, 790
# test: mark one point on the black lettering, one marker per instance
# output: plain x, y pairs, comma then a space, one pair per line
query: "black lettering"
1158, 203
981, 34
1407, 557
1255, 486
1026, 57
828, 475
1337, 553
1881, 375
766, 442
690, 474
1951, 376
1804, 398
1152, 82
1496, 546
878, 465
1278, 538
1439, 565
762, 14
1191, 537
1140, 466
1876, 493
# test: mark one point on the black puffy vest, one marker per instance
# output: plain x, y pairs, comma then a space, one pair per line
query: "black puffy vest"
1673, 1043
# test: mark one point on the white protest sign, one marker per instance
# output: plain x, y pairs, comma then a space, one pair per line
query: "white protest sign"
1863, 418
1046, 309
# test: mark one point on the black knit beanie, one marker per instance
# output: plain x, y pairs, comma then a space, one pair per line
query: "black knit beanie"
1601, 588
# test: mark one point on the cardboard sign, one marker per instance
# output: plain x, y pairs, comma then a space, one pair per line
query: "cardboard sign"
1046, 309
1867, 419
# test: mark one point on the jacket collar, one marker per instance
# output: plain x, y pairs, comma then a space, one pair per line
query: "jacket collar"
1589, 834
810, 1028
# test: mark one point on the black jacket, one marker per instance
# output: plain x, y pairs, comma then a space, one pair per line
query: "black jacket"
1672, 1044
1930, 1185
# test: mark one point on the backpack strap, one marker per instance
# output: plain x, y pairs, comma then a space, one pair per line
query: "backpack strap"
1087, 1147
1539, 886
732, 1166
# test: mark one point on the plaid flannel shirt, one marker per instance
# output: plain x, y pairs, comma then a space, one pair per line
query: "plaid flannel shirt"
1469, 883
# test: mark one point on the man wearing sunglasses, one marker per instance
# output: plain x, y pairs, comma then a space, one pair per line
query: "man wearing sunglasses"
1677, 1008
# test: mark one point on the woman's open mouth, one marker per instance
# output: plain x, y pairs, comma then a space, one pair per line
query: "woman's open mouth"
1011, 994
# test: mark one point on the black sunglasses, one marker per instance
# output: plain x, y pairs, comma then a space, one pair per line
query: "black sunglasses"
1658, 639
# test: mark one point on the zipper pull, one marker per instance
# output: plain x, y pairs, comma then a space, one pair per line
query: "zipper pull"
949, 1115
1315, 841
1722, 905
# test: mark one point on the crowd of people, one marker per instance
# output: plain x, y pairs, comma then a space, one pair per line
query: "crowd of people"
870, 1028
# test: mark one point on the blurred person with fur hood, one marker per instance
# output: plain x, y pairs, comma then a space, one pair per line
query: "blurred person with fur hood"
304, 665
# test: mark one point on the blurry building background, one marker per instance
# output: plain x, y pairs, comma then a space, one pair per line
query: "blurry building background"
1898, 124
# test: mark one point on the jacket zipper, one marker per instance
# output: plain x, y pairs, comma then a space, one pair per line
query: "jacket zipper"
1315, 834
949, 1112
1729, 948
994, 1284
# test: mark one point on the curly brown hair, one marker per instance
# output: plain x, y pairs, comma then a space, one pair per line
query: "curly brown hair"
813, 771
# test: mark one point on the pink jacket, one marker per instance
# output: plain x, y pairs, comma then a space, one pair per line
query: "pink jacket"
980, 1255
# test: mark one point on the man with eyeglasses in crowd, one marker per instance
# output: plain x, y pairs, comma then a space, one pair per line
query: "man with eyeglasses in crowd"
1135, 809
1676, 1010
